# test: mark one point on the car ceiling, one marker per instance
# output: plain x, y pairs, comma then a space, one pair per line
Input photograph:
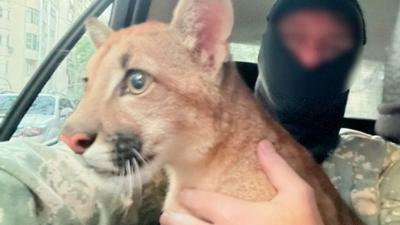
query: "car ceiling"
250, 18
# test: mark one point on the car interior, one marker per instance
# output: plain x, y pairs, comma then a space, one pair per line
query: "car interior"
250, 24
44, 50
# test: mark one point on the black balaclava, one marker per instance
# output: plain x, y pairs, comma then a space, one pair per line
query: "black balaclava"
310, 104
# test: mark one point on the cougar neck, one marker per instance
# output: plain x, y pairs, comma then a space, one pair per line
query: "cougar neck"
242, 117
242, 124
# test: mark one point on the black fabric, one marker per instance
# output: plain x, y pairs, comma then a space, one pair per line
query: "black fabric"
388, 123
310, 104
248, 72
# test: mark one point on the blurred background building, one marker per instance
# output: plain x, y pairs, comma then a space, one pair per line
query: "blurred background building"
29, 29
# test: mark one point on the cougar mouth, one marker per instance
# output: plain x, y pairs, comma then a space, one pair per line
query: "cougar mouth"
128, 153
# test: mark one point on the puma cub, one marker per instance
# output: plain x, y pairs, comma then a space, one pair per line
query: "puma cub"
164, 95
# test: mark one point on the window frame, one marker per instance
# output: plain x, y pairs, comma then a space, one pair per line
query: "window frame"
4, 12
5, 64
31, 41
32, 16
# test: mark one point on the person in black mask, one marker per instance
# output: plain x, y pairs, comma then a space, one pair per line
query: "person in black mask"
305, 62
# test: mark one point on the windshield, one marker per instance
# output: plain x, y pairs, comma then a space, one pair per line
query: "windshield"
43, 105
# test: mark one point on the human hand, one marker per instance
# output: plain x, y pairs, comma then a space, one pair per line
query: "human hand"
294, 203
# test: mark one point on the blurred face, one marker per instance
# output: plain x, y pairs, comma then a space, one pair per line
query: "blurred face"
315, 36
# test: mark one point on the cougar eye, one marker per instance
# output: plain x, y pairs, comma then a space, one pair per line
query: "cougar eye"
138, 81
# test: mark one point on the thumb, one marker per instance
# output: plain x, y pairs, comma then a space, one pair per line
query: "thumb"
173, 218
210, 206
280, 174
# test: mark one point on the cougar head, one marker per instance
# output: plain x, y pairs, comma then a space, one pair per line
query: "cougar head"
152, 91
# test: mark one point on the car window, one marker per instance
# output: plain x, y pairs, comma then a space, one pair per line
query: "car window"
28, 32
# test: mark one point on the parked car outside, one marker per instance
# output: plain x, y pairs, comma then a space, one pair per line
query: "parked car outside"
43, 122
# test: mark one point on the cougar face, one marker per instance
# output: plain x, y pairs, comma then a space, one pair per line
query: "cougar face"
151, 97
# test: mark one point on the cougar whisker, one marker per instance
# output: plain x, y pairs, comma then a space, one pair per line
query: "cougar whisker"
127, 196
140, 157
139, 189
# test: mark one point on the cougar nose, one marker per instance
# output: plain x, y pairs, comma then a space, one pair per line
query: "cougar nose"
78, 142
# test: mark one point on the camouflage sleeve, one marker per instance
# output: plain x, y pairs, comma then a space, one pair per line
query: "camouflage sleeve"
51, 185
42, 185
389, 187
16, 202
366, 170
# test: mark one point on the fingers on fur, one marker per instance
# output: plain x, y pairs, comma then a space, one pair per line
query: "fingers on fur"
280, 174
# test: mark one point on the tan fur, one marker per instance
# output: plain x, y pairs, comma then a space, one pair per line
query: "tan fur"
205, 132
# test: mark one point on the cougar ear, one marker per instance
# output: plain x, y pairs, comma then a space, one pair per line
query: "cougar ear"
206, 26
97, 31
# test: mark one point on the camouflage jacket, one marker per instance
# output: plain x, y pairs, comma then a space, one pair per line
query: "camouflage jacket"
50, 185
366, 171
42, 185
